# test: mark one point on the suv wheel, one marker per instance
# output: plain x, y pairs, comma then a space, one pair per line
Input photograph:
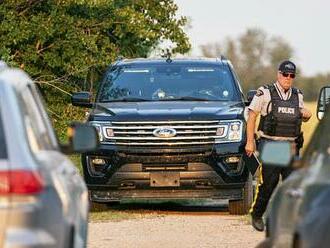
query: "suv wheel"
264, 244
71, 238
241, 207
296, 241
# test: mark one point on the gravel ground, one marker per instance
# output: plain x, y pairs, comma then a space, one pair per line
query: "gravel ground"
176, 229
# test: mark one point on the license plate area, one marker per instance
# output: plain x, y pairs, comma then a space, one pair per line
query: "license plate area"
165, 179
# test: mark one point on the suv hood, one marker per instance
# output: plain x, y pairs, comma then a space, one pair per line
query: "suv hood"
176, 110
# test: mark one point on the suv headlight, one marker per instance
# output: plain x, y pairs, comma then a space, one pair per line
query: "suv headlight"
104, 129
229, 131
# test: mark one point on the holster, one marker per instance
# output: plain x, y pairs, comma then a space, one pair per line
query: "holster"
299, 140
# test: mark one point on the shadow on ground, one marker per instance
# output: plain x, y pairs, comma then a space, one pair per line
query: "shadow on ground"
165, 207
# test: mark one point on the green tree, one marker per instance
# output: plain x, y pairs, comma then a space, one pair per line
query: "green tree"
312, 85
66, 44
256, 57
254, 54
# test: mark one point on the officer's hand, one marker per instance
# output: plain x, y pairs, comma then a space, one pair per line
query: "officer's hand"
249, 148
306, 114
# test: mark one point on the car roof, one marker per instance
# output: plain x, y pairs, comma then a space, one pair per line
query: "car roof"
14, 77
185, 60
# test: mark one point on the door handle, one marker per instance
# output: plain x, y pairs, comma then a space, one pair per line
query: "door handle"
294, 193
62, 171
67, 172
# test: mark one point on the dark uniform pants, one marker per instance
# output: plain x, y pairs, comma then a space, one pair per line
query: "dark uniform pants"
268, 179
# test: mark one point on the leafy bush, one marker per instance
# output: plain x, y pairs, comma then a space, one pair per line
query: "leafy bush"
66, 44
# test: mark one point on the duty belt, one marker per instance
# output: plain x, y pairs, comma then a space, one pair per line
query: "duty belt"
276, 138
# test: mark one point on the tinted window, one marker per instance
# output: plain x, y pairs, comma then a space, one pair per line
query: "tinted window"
50, 133
169, 81
3, 153
36, 128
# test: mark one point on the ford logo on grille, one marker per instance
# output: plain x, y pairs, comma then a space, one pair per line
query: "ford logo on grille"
164, 132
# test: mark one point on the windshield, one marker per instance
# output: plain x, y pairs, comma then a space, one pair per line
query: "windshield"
158, 82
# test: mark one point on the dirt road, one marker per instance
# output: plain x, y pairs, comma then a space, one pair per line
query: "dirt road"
174, 226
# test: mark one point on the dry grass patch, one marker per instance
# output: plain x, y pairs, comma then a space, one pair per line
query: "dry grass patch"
309, 127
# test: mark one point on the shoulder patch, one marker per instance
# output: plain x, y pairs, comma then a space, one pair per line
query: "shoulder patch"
259, 92
296, 91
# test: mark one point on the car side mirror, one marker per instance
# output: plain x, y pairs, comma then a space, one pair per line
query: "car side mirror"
277, 153
249, 97
82, 99
323, 102
82, 138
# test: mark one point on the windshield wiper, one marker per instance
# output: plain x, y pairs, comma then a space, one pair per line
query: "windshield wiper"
128, 99
185, 98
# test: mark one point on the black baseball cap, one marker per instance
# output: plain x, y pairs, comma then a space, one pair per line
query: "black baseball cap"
287, 66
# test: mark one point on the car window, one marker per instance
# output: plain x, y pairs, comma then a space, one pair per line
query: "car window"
41, 107
3, 152
169, 81
36, 127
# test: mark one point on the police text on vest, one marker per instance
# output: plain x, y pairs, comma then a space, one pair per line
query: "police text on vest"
286, 110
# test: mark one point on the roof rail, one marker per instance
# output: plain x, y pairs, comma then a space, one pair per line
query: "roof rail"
222, 57
167, 54
119, 58
3, 64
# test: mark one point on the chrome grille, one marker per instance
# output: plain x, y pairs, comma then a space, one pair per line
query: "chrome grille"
187, 133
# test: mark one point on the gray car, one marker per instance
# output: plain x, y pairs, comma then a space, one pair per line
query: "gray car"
299, 214
43, 199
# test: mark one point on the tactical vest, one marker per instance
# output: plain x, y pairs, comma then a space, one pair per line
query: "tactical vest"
285, 118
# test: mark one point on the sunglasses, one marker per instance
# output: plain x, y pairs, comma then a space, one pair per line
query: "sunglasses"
291, 75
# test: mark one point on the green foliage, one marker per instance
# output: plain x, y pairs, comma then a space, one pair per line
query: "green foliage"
66, 44
312, 85
256, 57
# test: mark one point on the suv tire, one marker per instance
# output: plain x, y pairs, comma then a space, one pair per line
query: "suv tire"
241, 207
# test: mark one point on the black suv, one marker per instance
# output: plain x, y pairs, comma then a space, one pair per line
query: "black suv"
169, 129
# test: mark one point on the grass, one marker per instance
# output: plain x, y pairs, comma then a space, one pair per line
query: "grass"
75, 158
246, 219
126, 210
100, 213
309, 127
111, 215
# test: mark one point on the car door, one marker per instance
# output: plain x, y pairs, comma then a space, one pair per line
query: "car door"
283, 208
65, 176
315, 185
4, 167
44, 146
315, 173
75, 183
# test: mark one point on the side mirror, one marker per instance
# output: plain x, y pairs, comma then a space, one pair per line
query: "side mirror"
82, 138
250, 96
323, 102
277, 153
82, 99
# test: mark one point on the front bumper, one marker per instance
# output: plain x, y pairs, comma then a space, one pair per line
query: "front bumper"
165, 173
104, 196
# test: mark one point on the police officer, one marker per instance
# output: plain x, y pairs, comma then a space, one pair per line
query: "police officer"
282, 111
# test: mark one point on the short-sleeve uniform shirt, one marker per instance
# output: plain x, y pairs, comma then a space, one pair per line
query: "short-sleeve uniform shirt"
261, 101
261, 104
